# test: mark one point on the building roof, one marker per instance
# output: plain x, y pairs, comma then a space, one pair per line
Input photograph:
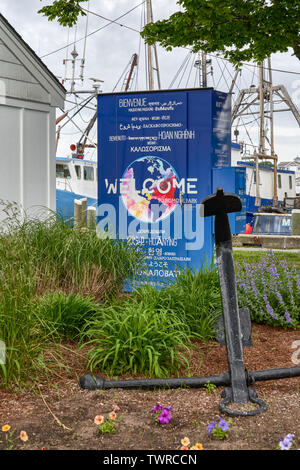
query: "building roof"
296, 161
33, 55
262, 167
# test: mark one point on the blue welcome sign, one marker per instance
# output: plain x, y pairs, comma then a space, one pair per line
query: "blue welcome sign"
156, 152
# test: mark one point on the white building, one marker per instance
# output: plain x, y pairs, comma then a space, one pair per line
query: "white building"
29, 95
286, 178
293, 166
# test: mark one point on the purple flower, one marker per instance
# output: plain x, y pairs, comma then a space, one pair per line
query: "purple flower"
223, 424
254, 289
157, 407
287, 442
212, 426
164, 417
268, 307
168, 408
279, 297
287, 317
273, 271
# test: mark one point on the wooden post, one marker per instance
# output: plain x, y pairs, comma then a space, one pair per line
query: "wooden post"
84, 213
77, 213
296, 222
91, 218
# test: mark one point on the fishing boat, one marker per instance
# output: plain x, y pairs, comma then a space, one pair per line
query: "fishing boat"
286, 186
76, 178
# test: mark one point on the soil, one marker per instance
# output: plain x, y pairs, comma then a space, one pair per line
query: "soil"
61, 416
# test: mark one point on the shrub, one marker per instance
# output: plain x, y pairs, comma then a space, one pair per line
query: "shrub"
138, 337
271, 291
149, 329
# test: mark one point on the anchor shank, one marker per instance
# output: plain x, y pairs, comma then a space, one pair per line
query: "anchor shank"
231, 321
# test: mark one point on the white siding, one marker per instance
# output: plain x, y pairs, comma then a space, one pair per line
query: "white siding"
266, 184
28, 96
6, 55
10, 154
35, 159
27, 173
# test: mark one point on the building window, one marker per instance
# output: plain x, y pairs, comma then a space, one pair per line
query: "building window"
279, 181
290, 182
62, 171
78, 171
88, 173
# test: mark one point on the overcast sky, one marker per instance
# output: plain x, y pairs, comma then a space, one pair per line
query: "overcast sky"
108, 53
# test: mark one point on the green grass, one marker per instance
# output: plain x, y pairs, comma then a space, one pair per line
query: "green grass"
253, 256
65, 315
43, 257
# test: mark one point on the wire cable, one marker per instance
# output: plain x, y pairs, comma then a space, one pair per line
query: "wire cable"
138, 31
99, 29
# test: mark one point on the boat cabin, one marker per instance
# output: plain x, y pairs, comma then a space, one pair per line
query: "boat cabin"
77, 176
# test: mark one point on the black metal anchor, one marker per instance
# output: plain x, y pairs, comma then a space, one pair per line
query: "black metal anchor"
235, 330
219, 205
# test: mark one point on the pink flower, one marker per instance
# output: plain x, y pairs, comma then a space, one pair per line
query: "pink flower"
23, 436
98, 419
185, 441
116, 408
112, 415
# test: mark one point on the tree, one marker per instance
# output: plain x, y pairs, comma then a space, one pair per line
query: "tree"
241, 30
65, 11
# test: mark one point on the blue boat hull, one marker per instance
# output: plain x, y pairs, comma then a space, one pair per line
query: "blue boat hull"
251, 208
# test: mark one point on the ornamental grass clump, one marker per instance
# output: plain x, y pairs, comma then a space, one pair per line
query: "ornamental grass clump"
47, 270
271, 291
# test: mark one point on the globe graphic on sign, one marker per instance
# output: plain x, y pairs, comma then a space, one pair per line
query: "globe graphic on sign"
150, 188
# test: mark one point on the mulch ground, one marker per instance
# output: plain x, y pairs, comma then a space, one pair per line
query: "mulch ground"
61, 416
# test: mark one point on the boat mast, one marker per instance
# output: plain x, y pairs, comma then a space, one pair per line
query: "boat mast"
204, 70
134, 63
263, 95
150, 50
266, 95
